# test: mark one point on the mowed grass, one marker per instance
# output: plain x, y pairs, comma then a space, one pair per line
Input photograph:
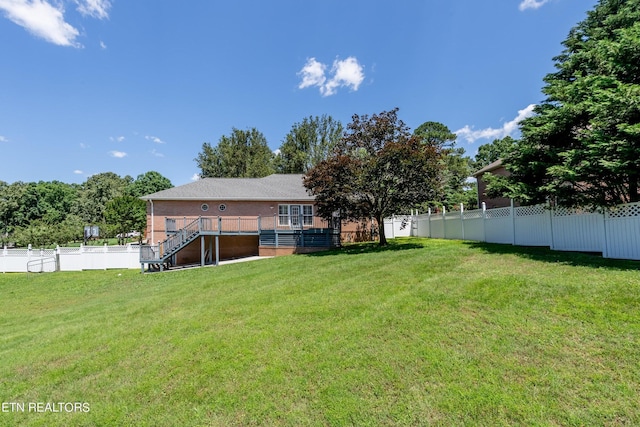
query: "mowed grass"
424, 332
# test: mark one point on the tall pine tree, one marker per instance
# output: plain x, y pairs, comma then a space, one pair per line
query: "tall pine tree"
583, 145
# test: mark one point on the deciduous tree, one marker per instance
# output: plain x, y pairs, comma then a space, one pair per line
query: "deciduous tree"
243, 154
147, 183
126, 214
378, 169
308, 143
96, 192
456, 167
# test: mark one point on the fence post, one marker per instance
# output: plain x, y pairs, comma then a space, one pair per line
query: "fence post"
551, 226
513, 224
605, 243
106, 257
462, 218
444, 222
393, 231
484, 222
429, 223
57, 258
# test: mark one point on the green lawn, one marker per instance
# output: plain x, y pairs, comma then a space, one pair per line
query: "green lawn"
424, 332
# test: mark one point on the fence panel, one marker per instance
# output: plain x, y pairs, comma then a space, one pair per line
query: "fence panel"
623, 231
474, 229
616, 234
532, 226
422, 228
576, 230
15, 260
71, 259
453, 226
397, 227
437, 226
498, 226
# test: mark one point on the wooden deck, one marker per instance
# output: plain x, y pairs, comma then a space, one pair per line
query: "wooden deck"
310, 232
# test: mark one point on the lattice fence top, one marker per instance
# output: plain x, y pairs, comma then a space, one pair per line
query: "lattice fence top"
531, 210
15, 252
498, 213
69, 250
562, 211
630, 210
478, 213
35, 253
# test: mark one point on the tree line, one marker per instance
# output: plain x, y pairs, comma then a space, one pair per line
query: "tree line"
52, 212
45, 213
245, 153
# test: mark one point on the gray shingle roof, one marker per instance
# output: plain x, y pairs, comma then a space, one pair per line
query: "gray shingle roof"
272, 187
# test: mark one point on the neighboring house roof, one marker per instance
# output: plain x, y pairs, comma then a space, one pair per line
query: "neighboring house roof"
489, 168
272, 187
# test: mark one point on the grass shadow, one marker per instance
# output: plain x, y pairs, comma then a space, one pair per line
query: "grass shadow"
581, 259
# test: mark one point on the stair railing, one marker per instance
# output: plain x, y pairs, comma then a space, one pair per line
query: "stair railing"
178, 240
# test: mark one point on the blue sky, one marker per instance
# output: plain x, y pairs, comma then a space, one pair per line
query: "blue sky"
90, 86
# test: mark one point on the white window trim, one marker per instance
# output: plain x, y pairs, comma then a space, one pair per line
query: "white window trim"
284, 215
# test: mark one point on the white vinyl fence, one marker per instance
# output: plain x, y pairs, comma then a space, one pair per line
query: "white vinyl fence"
615, 232
69, 259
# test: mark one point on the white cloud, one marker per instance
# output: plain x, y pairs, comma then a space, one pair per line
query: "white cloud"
116, 138
154, 139
3, 139
78, 172
83, 145
312, 74
41, 19
470, 135
345, 73
94, 8
155, 153
117, 154
102, 45
45, 18
532, 4
195, 177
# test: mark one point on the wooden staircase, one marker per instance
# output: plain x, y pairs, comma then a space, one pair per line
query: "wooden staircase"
160, 257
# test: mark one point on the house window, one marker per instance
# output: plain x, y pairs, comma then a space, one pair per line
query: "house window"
222, 207
204, 207
290, 215
283, 214
307, 215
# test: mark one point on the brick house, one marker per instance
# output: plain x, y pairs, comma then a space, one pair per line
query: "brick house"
236, 217
495, 168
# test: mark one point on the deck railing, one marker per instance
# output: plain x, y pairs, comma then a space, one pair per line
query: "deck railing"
244, 224
182, 231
